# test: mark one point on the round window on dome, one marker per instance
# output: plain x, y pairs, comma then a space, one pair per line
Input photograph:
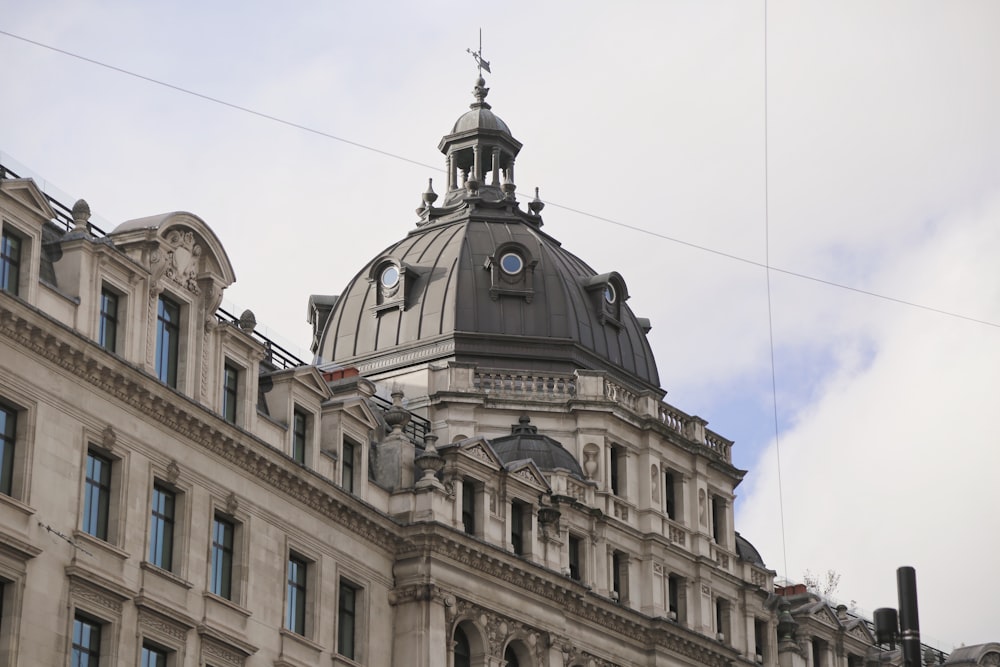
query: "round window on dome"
389, 276
511, 263
609, 293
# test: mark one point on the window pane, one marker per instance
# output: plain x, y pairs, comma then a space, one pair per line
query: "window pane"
295, 617
222, 558
161, 538
97, 496
230, 389
167, 339
347, 467
10, 263
299, 437
8, 431
86, 643
108, 334
346, 620
153, 657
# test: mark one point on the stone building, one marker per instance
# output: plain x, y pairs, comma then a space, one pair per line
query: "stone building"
478, 468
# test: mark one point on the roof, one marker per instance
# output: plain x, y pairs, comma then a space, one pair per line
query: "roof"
525, 443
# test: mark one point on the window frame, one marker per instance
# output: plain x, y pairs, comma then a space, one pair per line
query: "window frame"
21, 438
215, 548
232, 385
353, 613
104, 491
348, 459
94, 654
10, 265
109, 324
152, 648
298, 593
300, 436
8, 447
159, 554
168, 368
470, 506
574, 543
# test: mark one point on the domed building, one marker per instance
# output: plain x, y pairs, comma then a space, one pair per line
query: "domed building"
477, 469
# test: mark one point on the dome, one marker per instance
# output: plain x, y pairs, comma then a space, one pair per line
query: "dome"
480, 119
477, 281
748, 552
525, 443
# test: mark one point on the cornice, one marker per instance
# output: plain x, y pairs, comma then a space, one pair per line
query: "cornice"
63, 347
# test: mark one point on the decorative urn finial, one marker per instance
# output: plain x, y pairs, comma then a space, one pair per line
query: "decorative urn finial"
536, 204
81, 216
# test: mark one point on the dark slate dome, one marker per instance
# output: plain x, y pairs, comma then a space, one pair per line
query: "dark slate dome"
478, 281
524, 442
747, 551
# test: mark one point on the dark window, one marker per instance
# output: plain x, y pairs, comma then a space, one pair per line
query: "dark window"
168, 331
97, 496
299, 423
673, 595
510, 658
10, 262
153, 657
347, 613
722, 619
347, 467
818, 650
718, 519
517, 512
617, 471
760, 638
463, 652
295, 612
108, 333
223, 532
670, 490
8, 435
86, 642
619, 575
161, 528
469, 506
230, 392
574, 557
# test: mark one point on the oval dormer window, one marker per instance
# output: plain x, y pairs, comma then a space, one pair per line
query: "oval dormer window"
511, 263
609, 293
389, 277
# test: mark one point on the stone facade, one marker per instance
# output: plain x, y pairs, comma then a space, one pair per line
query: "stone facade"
183, 488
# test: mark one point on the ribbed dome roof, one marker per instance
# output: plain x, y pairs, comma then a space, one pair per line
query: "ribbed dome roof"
478, 281
524, 442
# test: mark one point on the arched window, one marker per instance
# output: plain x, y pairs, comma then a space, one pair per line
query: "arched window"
463, 654
509, 656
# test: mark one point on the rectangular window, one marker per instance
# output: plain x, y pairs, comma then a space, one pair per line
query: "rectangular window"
347, 614
107, 334
818, 651
619, 576
722, 619
517, 512
97, 496
673, 596
295, 608
168, 332
299, 424
760, 639
574, 558
153, 656
347, 466
223, 533
230, 392
615, 486
86, 642
670, 493
10, 262
8, 435
161, 528
469, 506
718, 519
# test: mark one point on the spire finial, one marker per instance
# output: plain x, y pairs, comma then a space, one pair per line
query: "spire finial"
478, 55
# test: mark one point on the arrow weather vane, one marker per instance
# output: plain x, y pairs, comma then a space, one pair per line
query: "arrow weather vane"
478, 55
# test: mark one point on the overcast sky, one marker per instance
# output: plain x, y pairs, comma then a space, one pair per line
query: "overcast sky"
883, 148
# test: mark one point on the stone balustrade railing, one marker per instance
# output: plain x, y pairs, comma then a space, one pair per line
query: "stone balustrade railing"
500, 382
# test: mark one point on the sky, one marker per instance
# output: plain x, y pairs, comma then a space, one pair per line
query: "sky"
853, 147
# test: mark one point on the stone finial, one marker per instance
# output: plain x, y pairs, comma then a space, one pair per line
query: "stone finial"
397, 417
248, 321
81, 216
429, 196
480, 91
429, 462
536, 204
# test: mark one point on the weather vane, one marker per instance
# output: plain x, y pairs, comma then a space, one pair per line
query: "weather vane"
478, 55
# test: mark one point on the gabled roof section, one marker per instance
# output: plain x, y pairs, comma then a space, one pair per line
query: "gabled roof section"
307, 377
25, 192
477, 448
526, 471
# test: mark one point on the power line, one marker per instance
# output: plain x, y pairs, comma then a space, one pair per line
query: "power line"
327, 135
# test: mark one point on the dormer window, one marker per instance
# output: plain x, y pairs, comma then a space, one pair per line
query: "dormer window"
388, 278
607, 292
10, 262
511, 270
